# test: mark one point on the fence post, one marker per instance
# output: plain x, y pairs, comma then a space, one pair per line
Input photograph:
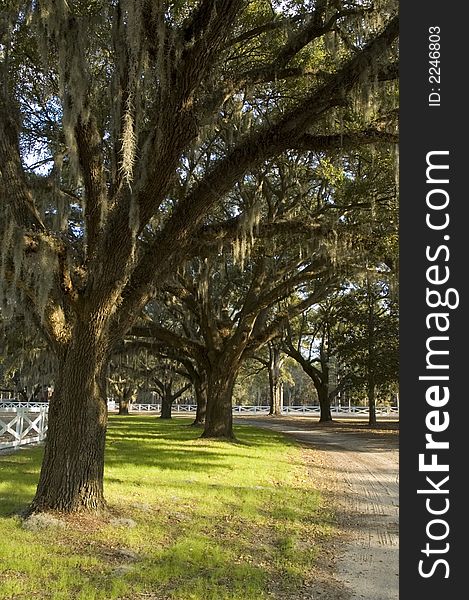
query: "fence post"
42, 426
19, 423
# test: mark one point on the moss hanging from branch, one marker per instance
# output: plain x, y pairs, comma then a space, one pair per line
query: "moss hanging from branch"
60, 29
249, 226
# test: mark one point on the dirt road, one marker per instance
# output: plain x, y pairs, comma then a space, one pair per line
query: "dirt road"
359, 467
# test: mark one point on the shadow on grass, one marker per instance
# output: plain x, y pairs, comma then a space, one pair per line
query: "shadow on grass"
140, 441
227, 523
180, 429
19, 473
175, 445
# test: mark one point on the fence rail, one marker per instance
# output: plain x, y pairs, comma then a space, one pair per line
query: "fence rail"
8, 404
20, 426
311, 409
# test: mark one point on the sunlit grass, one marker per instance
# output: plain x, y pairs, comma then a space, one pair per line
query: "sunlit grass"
214, 520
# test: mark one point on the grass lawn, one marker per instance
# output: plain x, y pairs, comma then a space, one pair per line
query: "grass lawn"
213, 520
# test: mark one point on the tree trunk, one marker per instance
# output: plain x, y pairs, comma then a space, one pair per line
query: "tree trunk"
200, 388
166, 406
324, 403
124, 405
276, 398
219, 416
320, 379
371, 392
127, 397
275, 383
371, 364
72, 470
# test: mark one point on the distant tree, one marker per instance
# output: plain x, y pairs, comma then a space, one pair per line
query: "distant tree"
125, 379
308, 340
368, 343
299, 389
170, 384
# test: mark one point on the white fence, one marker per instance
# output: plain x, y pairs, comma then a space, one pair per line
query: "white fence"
316, 410
190, 408
26, 422
7, 404
20, 426
176, 408
312, 410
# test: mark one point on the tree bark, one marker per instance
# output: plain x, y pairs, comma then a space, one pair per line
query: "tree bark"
371, 392
371, 363
320, 379
275, 383
219, 417
124, 406
324, 402
276, 398
166, 406
71, 478
200, 388
125, 400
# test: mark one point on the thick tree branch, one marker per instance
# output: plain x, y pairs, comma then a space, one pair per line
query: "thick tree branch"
307, 366
345, 141
274, 329
209, 237
91, 163
315, 27
273, 73
153, 331
209, 25
260, 29
389, 72
176, 237
21, 199
175, 127
181, 391
310, 273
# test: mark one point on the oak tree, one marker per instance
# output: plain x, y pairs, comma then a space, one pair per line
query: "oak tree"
123, 125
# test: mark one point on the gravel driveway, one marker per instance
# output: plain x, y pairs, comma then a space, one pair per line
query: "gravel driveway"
359, 467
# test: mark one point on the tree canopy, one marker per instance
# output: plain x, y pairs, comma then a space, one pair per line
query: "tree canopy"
139, 136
